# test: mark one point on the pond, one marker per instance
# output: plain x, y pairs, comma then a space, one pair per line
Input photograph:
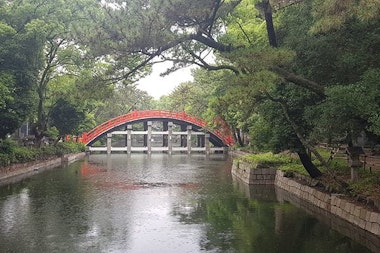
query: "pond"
157, 203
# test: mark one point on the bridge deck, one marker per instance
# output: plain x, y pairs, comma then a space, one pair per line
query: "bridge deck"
157, 149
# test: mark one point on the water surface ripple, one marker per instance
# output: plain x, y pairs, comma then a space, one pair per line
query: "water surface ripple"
155, 203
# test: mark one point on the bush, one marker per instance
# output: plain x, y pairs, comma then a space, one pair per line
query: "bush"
4, 160
22, 154
11, 152
69, 147
278, 161
268, 159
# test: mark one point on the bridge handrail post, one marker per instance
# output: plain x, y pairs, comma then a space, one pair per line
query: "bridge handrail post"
207, 143
170, 137
149, 137
189, 130
109, 143
129, 139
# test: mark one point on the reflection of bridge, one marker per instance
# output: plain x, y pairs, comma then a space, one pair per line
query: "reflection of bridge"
165, 131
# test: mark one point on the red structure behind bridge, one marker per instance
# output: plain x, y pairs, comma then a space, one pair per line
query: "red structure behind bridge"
223, 134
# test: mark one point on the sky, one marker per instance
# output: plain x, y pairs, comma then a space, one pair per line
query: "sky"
157, 86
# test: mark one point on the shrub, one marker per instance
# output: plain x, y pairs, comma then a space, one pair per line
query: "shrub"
268, 159
11, 152
279, 161
69, 147
4, 160
22, 154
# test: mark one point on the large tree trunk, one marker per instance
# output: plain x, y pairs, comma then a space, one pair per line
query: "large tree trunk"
308, 164
238, 137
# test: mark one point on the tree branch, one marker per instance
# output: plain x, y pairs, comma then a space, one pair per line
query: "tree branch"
300, 81
207, 66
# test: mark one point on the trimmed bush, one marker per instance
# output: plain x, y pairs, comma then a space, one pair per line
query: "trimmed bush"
11, 152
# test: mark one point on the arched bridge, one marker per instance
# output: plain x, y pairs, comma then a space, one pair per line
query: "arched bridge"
219, 138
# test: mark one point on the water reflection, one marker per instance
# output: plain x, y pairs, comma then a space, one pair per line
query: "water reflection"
156, 203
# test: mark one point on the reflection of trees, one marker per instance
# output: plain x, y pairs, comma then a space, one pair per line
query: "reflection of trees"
56, 210
300, 232
235, 223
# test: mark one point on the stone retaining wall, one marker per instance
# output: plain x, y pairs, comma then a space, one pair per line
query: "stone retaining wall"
253, 174
335, 204
26, 169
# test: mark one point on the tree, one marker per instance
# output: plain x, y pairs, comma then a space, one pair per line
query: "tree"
66, 118
19, 60
123, 100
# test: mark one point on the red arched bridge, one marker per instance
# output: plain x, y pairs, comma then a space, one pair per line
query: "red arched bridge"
190, 125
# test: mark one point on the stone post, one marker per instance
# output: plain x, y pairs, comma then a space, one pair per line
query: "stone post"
189, 128
207, 143
129, 139
145, 137
165, 137
170, 137
354, 161
149, 137
109, 143
183, 137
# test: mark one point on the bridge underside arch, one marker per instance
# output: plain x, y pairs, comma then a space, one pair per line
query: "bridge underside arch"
217, 138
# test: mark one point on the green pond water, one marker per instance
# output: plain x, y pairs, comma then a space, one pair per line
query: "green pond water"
160, 203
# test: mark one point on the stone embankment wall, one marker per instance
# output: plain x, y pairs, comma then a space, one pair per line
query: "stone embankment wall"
335, 204
253, 173
26, 169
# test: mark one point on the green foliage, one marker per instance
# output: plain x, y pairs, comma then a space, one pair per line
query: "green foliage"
354, 106
271, 160
122, 100
333, 14
66, 117
19, 53
11, 152
266, 158
69, 147
367, 185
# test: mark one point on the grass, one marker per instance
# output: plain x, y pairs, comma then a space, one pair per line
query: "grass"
368, 184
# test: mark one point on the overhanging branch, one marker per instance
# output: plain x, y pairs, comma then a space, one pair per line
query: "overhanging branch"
300, 81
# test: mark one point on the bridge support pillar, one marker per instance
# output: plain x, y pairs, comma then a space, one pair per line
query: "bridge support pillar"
207, 143
200, 141
188, 139
170, 137
109, 143
145, 137
129, 139
183, 137
149, 137
165, 127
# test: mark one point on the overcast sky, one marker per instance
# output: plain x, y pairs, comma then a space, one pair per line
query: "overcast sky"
157, 86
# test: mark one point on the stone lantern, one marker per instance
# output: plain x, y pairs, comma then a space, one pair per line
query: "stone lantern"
354, 161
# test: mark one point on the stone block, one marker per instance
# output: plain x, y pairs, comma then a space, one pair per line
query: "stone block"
348, 208
363, 214
362, 224
343, 204
357, 211
340, 212
368, 216
374, 217
368, 226
351, 218
375, 228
